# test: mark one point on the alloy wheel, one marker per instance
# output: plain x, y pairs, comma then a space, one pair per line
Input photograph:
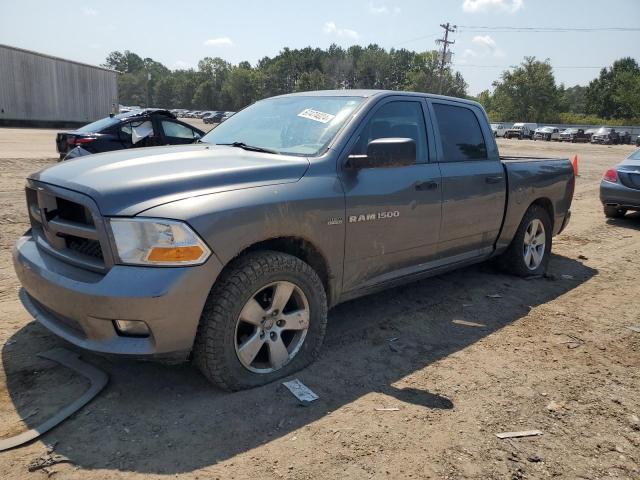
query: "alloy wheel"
272, 327
534, 244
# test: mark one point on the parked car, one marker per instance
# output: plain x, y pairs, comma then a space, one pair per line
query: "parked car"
134, 129
498, 129
620, 187
218, 117
589, 132
547, 133
521, 131
574, 135
606, 136
214, 117
231, 251
625, 138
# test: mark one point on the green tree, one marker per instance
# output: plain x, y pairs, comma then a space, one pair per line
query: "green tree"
125, 62
572, 99
527, 93
424, 76
611, 95
164, 92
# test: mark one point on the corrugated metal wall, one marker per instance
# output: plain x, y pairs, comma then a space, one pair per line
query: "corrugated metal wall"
36, 87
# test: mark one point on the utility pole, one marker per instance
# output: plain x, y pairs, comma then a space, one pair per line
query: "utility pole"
445, 43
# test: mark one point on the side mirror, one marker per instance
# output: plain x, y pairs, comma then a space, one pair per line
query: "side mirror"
386, 153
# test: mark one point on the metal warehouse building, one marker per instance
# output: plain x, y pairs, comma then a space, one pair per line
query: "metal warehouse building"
39, 89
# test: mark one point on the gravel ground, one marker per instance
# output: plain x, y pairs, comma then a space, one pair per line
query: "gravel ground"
553, 354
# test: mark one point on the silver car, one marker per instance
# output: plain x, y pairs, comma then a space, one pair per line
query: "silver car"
620, 187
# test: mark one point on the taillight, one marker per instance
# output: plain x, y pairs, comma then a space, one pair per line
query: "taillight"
80, 141
611, 175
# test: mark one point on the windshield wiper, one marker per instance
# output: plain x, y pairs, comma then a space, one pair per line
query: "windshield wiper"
250, 148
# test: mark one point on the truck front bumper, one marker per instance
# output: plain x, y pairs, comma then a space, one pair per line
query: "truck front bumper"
82, 306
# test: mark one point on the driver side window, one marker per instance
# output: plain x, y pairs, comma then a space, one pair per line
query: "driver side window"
401, 119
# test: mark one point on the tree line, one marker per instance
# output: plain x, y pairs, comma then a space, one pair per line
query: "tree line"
217, 84
527, 92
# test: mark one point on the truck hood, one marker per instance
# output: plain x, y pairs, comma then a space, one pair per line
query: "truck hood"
126, 182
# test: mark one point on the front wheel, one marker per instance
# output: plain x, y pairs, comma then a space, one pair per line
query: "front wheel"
529, 251
264, 319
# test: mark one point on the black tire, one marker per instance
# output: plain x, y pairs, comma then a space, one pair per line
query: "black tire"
512, 260
214, 351
614, 212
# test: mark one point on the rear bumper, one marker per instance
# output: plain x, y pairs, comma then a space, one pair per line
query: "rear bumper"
80, 306
616, 195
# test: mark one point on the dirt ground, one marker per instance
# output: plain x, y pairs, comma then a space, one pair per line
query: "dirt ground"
553, 354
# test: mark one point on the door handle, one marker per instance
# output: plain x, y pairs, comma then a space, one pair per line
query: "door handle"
496, 179
428, 185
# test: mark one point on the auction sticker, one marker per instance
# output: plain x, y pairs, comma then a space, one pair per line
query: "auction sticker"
316, 115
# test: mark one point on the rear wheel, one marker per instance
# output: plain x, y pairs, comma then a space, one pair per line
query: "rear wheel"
264, 319
530, 248
614, 212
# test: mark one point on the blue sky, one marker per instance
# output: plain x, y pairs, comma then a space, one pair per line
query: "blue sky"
179, 33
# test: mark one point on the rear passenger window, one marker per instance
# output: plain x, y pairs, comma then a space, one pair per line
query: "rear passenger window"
460, 133
395, 120
136, 133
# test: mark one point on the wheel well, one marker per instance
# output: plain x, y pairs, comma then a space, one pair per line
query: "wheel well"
548, 206
300, 248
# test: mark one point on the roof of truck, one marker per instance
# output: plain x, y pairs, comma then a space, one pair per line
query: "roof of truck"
366, 93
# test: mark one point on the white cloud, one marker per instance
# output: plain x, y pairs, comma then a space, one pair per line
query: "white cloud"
510, 6
485, 47
488, 46
330, 28
218, 42
89, 12
383, 10
484, 41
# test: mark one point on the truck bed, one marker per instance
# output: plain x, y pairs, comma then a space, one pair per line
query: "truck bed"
530, 179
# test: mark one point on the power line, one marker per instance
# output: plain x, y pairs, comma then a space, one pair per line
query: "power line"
445, 42
484, 28
422, 37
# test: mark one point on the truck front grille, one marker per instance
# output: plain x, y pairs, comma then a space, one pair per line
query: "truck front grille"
85, 246
66, 228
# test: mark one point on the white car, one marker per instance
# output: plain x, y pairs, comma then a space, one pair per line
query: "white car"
521, 130
548, 133
498, 129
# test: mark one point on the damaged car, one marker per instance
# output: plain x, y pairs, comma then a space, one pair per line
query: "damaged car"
134, 129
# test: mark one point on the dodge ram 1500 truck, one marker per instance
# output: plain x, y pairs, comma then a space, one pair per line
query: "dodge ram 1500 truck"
230, 251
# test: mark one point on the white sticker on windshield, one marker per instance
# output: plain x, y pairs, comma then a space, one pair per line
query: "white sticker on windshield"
317, 116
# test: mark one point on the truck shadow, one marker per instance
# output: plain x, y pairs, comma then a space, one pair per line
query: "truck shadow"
159, 419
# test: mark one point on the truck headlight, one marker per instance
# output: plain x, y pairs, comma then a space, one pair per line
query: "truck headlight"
155, 241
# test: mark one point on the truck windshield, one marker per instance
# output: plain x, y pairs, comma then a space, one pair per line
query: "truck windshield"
297, 125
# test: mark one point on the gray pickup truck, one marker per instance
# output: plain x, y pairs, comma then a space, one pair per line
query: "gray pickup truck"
229, 252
